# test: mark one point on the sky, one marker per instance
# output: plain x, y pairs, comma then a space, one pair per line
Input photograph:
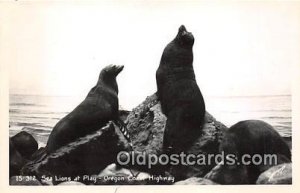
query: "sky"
241, 48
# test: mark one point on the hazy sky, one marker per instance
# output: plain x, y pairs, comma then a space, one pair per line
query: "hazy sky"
240, 48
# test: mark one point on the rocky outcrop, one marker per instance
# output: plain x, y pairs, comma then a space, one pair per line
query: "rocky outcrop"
16, 161
280, 174
224, 174
146, 123
196, 181
239, 174
123, 114
86, 156
21, 147
25, 144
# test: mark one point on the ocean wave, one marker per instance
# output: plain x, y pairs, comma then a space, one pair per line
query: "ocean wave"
277, 117
37, 130
264, 111
26, 104
42, 112
28, 124
35, 117
14, 110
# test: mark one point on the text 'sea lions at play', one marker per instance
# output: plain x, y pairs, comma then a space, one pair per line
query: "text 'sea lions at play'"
169, 138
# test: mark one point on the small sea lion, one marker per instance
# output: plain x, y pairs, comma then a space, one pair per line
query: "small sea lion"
99, 107
179, 94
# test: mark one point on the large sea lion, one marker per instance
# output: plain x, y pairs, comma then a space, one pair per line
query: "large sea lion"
179, 94
100, 106
251, 138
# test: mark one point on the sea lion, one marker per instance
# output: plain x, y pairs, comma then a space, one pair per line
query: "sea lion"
251, 137
100, 106
179, 94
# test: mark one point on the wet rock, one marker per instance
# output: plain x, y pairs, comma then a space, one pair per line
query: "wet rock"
196, 181
237, 174
16, 161
146, 123
280, 174
24, 181
86, 156
25, 144
225, 174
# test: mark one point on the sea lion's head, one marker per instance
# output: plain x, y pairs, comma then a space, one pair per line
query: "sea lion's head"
184, 38
108, 75
111, 71
178, 52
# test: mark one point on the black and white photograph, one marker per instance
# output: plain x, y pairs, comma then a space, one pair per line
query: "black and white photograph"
117, 93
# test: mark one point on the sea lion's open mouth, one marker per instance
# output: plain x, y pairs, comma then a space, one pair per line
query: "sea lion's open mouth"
184, 37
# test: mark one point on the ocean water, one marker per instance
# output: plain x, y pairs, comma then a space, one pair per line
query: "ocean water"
39, 114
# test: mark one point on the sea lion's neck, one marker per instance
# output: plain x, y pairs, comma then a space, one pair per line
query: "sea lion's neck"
108, 82
181, 73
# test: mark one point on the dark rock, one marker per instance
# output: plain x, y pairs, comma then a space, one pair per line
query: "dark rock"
38, 153
86, 156
237, 174
196, 181
147, 120
224, 174
25, 144
280, 174
24, 181
146, 123
123, 114
16, 161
